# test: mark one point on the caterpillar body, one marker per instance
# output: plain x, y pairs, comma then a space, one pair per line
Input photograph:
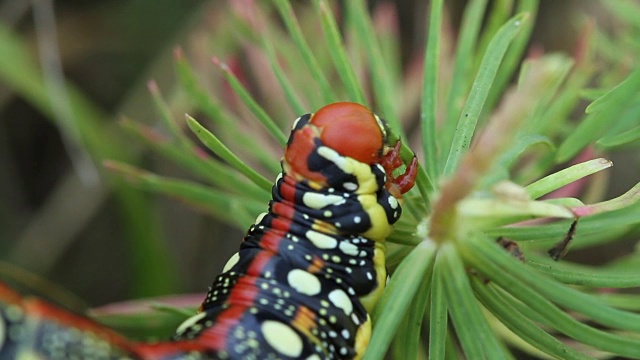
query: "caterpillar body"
307, 273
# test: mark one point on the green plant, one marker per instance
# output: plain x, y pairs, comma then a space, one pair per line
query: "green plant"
489, 153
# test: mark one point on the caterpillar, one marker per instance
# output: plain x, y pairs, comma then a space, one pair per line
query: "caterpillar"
308, 271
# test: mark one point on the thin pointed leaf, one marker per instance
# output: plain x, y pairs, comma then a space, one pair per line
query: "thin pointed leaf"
629, 302
294, 101
390, 309
600, 223
513, 56
480, 90
529, 281
582, 275
438, 316
165, 115
407, 342
632, 196
613, 141
499, 13
566, 176
220, 115
490, 212
523, 326
430, 90
252, 104
291, 22
477, 339
608, 106
383, 88
467, 40
215, 145
339, 54
198, 163
537, 294
217, 203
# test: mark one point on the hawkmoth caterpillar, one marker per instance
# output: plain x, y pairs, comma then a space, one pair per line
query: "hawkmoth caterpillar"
307, 273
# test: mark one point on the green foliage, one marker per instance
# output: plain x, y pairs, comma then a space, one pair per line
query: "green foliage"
485, 167
489, 154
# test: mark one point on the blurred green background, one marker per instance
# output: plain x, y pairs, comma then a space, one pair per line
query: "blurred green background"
59, 221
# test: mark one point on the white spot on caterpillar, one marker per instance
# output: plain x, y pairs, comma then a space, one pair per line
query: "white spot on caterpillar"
383, 128
260, 217
348, 248
318, 201
331, 155
345, 333
393, 202
231, 262
282, 338
295, 122
190, 322
357, 219
321, 241
349, 186
304, 282
340, 299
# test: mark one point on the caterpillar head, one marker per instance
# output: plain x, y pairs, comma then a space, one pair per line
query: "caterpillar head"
348, 129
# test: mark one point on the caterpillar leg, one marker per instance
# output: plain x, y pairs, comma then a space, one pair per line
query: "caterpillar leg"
398, 185
406, 181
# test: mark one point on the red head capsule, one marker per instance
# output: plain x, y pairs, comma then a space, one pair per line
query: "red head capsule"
352, 130
348, 128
